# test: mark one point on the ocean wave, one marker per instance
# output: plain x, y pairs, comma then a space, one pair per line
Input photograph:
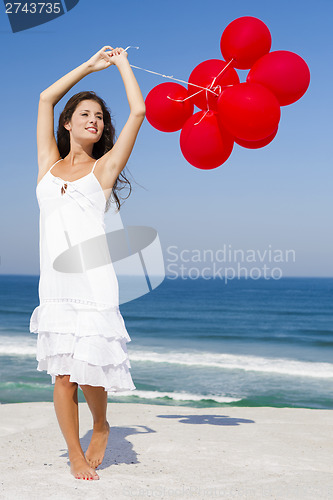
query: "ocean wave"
22, 346
17, 346
176, 396
238, 362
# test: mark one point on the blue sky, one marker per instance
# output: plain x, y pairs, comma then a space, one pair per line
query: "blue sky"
278, 197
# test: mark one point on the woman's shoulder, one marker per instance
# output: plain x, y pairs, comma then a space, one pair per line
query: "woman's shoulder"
45, 166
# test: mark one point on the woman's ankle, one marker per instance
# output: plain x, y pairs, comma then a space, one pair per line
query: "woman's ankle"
75, 455
101, 426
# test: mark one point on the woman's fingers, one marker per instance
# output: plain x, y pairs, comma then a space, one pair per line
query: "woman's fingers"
106, 55
117, 51
107, 52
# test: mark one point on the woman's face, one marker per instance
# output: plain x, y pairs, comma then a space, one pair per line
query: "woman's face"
87, 122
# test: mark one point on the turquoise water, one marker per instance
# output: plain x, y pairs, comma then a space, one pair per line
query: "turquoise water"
198, 343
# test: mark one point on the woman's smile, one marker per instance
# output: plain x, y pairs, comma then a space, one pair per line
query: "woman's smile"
93, 130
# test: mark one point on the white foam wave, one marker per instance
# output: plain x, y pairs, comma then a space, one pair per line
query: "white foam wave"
17, 346
25, 346
177, 396
238, 362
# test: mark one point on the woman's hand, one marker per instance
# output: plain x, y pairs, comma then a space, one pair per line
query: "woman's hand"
105, 58
117, 55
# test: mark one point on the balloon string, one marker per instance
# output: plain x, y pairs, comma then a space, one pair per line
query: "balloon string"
203, 116
209, 89
166, 76
214, 80
206, 89
185, 98
130, 47
172, 78
221, 72
205, 113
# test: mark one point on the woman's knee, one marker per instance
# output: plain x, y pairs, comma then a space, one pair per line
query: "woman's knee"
63, 381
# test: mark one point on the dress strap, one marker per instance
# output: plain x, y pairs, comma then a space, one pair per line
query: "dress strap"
55, 164
94, 165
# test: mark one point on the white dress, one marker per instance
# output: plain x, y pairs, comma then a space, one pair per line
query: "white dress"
81, 331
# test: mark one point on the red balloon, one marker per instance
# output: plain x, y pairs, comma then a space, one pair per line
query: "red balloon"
256, 144
203, 142
204, 75
249, 111
165, 113
245, 40
284, 73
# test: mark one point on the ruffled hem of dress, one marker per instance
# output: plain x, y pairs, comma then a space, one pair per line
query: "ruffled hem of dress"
111, 378
99, 351
86, 341
81, 318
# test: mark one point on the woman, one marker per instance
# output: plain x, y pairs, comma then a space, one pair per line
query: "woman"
81, 333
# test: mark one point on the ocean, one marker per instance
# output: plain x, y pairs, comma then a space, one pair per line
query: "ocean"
198, 342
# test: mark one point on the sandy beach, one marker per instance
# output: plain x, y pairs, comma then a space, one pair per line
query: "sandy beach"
173, 452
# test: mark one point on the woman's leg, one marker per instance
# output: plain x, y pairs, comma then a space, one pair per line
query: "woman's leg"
66, 407
97, 399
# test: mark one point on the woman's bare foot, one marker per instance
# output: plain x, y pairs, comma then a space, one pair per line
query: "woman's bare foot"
96, 449
81, 469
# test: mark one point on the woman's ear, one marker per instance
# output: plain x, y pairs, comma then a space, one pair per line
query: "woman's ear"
67, 126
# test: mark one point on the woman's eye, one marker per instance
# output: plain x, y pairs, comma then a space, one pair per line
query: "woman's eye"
84, 114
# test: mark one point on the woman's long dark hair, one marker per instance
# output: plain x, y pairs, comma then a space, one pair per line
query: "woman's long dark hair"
101, 147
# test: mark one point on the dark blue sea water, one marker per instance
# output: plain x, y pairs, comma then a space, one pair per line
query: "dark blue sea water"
198, 343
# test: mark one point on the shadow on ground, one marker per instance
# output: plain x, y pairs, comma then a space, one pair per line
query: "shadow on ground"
119, 450
208, 419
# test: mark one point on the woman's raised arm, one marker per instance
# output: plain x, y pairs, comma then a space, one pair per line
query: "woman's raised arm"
47, 148
115, 160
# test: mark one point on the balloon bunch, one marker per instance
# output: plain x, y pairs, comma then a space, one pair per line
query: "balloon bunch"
247, 113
